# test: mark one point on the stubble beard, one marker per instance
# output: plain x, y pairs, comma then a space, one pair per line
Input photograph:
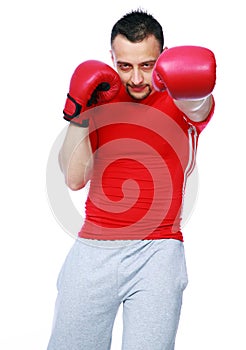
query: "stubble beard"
135, 95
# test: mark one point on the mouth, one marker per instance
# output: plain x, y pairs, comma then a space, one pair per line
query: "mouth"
137, 88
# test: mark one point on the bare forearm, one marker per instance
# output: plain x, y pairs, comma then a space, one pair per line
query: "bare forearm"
75, 157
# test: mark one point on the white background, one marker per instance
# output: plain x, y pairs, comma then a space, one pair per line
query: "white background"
41, 44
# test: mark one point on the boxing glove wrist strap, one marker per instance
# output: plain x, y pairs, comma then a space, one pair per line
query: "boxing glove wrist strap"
84, 123
198, 104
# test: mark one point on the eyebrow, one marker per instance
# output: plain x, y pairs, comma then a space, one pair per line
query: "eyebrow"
148, 61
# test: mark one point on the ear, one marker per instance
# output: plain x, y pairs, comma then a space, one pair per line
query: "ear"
112, 57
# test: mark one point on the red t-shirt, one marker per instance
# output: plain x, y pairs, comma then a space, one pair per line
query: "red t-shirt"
143, 153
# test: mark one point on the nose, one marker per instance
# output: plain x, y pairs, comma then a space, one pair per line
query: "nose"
136, 77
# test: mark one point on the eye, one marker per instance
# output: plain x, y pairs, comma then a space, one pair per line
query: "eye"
125, 67
147, 66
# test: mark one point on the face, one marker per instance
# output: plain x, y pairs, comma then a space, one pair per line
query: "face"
134, 63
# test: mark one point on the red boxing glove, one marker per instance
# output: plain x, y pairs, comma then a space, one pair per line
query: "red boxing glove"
92, 83
187, 72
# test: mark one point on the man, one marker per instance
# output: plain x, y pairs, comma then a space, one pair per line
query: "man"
141, 124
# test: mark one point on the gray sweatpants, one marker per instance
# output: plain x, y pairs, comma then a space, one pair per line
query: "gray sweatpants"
148, 277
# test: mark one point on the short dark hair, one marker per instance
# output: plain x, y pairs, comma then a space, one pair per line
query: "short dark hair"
136, 26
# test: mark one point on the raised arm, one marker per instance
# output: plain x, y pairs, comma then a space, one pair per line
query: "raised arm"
75, 157
92, 83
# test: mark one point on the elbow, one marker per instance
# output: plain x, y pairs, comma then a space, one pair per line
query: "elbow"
77, 180
75, 185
